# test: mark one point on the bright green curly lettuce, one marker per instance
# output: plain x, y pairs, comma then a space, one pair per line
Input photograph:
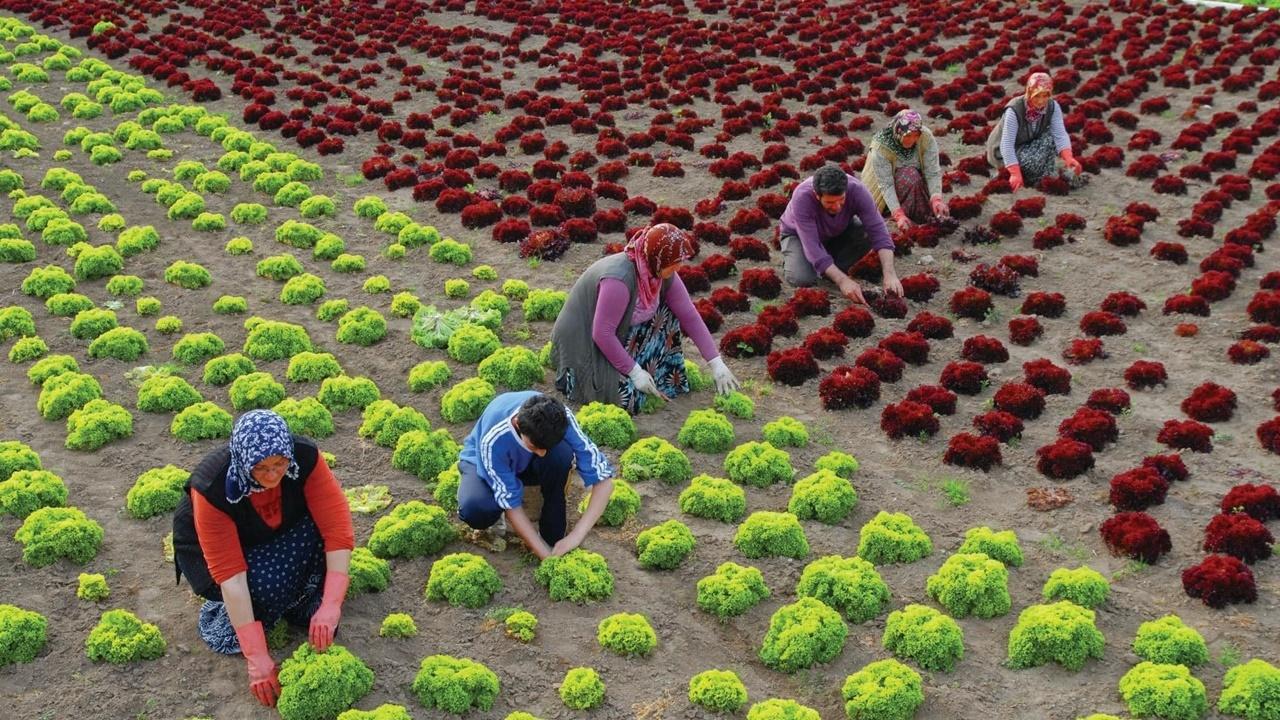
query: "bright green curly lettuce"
1250, 691
786, 431
627, 634
156, 491
713, 498
654, 457
1002, 546
924, 635
23, 634
893, 538
1169, 692
120, 637
29, 490
96, 424
731, 590
719, 691
579, 576
803, 634
1083, 586
706, 431
582, 689
771, 534
1061, 632
758, 464
411, 529
624, 503
455, 685
851, 586
1168, 640
971, 584
664, 546
823, 496
318, 686
463, 579
466, 400
884, 690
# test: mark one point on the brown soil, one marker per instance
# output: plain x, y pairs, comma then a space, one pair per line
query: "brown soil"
897, 476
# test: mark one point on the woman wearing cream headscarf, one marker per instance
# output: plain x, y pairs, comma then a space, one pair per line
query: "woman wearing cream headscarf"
1032, 136
902, 171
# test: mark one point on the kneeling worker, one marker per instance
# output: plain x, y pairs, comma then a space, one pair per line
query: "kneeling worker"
527, 438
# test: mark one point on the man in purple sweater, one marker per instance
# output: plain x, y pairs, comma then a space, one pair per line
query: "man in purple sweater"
830, 223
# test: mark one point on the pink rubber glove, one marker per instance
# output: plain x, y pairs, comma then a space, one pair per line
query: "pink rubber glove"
1071, 162
939, 206
263, 680
1015, 177
900, 217
324, 623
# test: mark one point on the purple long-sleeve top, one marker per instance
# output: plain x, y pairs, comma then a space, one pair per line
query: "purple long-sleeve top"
611, 304
806, 219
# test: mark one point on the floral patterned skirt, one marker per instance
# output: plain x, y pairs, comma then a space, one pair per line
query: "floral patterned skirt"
1039, 159
655, 346
913, 194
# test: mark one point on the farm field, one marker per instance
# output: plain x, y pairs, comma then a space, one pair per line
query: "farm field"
196, 194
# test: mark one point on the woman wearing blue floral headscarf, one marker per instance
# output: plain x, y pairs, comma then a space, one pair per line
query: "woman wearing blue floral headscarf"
264, 534
902, 171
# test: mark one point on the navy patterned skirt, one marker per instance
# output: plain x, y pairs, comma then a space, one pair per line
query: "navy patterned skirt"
286, 580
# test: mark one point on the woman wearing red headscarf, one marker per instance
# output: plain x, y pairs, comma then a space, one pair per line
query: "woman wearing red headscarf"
1032, 137
618, 336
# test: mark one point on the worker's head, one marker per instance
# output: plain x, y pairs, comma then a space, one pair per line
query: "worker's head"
830, 184
1039, 90
906, 127
541, 423
662, 248
261, 454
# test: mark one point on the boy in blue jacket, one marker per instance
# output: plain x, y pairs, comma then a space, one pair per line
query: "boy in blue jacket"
527, 438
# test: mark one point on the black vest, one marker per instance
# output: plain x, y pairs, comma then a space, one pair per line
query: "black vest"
1026, 131
209, 479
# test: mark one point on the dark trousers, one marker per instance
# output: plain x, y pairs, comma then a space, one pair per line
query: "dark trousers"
846, 249
478, 508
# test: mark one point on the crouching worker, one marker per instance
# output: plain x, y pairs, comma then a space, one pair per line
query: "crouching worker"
264, 533
527, 438
903, 173
829, 224
1032, 137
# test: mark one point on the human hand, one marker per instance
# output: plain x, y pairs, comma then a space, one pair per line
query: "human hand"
644, 381
723, 376
264, 682
892, 285
849, 288
1069, 159
566, 544
324, 623
900, 217
1015, 177
939, 207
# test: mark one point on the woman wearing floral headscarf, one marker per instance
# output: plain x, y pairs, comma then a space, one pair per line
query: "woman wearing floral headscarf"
618, 336
1032, 136
902, 171
264, 533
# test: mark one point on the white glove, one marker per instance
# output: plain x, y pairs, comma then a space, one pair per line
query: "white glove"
725, 381
643, 381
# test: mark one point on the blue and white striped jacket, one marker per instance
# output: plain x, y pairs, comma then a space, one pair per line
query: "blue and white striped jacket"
495, 450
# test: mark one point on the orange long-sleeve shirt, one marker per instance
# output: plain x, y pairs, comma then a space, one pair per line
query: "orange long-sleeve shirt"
220, 541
